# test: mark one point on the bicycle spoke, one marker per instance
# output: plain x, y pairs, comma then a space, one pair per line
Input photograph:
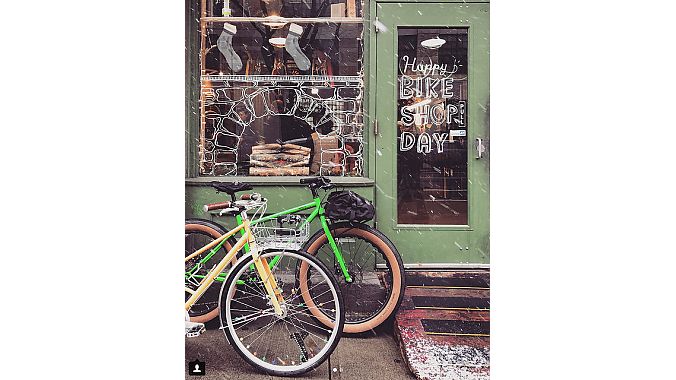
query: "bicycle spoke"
309, 332
247, 319
323, 328
255, 331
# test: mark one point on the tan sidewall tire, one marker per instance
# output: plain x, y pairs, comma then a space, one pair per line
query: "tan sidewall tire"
392, 302
309, 301
214, 234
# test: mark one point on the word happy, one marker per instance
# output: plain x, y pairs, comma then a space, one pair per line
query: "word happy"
427, 69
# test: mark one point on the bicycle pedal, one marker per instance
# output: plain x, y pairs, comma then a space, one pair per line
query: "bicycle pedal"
194, 329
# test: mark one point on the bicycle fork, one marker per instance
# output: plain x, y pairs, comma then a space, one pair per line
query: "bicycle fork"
263, 269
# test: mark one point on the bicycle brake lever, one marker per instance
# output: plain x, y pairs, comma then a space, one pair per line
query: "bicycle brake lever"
227, 210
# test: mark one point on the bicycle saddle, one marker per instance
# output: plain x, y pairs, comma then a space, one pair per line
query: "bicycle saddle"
231, 188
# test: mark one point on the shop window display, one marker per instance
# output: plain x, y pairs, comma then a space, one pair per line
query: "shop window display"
281, 88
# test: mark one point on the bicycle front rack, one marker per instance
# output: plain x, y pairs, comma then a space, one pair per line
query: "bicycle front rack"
287, 232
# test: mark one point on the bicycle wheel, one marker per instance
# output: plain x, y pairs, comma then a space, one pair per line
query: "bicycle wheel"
199, 233
295, 342
376, 269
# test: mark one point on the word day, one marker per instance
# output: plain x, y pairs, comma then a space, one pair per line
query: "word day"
423, 142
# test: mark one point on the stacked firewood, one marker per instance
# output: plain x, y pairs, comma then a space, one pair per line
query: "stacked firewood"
279, 159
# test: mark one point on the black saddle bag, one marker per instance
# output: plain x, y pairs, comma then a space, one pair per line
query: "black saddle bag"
348, 205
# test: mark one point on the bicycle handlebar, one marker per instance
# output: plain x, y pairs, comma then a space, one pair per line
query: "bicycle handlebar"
317, 182
251, 197
215, 206
228, 210
222, 205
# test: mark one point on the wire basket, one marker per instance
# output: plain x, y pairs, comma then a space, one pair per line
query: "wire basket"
287, 232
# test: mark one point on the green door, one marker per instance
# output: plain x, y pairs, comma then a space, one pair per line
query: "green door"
432, 102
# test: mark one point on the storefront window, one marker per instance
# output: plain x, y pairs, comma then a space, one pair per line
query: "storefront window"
281, 88
432, 126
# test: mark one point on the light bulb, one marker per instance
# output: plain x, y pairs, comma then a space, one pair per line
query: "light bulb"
274, 22
433, 43
278, 42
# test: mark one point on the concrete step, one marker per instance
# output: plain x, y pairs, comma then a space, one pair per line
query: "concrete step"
440, 354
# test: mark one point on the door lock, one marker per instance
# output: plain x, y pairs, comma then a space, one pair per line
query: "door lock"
480, 148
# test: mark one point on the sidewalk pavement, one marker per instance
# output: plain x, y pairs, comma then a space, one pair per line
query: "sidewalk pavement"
374, 355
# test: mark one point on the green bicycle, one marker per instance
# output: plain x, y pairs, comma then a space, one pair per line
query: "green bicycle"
367, 265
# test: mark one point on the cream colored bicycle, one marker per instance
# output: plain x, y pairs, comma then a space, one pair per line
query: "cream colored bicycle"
262, 302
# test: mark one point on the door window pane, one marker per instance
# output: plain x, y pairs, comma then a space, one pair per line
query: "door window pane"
432, 126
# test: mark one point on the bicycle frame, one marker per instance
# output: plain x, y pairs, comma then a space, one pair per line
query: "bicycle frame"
261, 264
318, 211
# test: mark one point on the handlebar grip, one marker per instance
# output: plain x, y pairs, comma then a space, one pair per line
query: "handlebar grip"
305, 181
216, 206
252, 196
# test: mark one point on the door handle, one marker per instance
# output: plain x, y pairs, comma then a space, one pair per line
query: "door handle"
480, 148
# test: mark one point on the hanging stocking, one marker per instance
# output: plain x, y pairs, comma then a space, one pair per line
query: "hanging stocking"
225, 47
293, 48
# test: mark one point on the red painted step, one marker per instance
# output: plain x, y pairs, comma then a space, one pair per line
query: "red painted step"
438, 353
